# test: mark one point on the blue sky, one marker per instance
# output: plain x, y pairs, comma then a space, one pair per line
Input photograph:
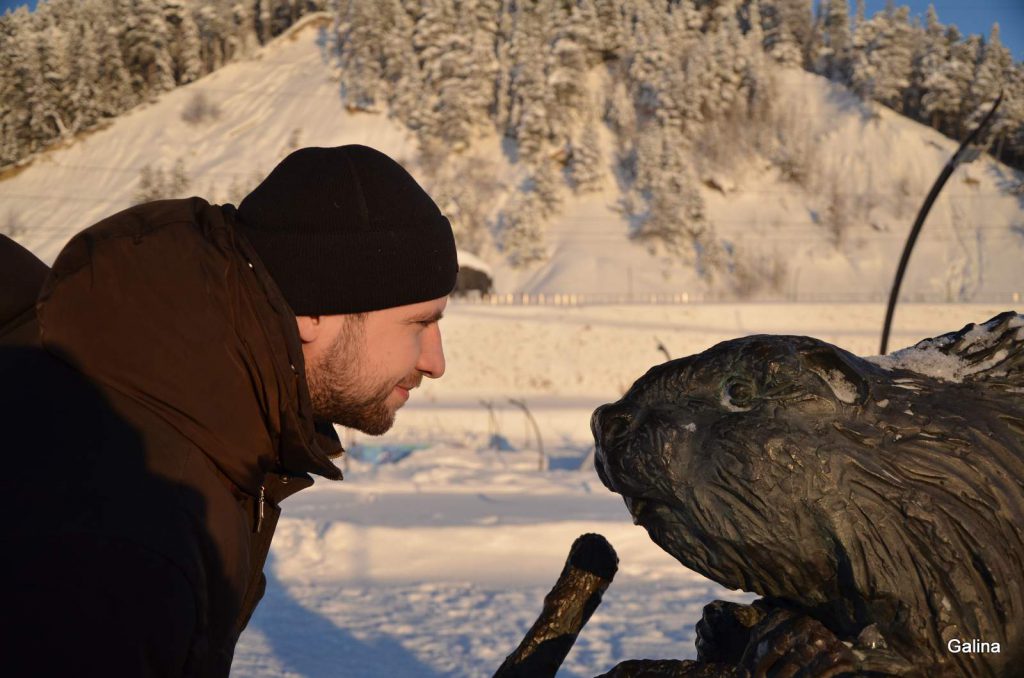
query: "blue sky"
970, 16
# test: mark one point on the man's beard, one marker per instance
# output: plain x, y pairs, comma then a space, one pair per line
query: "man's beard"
338, 393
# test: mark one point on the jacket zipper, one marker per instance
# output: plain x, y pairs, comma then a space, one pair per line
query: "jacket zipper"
260, 509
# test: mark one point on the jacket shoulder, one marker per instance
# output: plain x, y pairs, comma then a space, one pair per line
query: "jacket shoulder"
136, 223
21, 277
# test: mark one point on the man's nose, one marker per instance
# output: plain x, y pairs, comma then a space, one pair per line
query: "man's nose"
431, 363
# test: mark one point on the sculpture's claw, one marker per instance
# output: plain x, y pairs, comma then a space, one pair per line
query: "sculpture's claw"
788, 645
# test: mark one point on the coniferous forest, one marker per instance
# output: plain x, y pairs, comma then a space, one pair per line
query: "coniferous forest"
665, 78
72, 64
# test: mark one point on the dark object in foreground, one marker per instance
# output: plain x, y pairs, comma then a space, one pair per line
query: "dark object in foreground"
588, 571
964, 154
877, 506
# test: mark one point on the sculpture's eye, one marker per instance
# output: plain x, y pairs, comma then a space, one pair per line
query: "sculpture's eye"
739, 395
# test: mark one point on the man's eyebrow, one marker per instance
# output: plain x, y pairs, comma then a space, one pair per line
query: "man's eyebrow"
427, 317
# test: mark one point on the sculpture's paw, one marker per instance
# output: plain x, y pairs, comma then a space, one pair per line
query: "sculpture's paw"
723, 632
672, 668
787, 645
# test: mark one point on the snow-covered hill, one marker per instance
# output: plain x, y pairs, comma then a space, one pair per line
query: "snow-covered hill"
833, 229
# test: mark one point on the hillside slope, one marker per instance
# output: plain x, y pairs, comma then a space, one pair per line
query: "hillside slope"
832, 229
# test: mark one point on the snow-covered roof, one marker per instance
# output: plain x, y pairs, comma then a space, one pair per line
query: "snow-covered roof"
470, 260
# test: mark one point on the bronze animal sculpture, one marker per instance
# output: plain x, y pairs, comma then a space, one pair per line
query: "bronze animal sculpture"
875, 505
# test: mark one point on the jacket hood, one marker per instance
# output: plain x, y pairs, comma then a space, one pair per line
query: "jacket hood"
167, 304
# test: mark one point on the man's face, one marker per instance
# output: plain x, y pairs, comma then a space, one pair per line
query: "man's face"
360, 369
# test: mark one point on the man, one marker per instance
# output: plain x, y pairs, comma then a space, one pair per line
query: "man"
193, 359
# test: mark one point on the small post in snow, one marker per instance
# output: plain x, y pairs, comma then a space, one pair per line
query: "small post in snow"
542, 461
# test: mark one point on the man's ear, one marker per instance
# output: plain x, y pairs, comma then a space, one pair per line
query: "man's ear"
309, 327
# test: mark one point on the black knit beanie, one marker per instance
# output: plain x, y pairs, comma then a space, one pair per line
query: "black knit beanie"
348, 230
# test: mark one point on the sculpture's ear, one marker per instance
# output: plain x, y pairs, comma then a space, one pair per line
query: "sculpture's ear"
838, 370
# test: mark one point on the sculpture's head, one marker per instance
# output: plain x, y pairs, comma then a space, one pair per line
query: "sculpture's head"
850, 488
711, 451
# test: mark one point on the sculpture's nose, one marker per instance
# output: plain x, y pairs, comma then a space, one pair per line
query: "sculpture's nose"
611, 425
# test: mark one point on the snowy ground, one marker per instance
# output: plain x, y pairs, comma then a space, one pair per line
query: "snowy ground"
438, 564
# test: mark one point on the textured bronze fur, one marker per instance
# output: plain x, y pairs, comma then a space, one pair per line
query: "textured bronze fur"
885, 504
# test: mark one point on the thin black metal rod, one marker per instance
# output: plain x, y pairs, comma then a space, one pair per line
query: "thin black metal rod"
947, 171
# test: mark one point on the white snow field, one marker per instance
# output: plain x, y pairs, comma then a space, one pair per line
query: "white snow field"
438, 564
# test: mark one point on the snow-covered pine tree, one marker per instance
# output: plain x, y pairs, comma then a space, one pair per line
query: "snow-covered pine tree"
529, 95
797, 17
361, 36
113, 79
835, 54
902, 41
465, 188
930, 52
779, 41
612, 28
730, 61
546, 182
184, 44
752, 25
19, 71
487, 35
574, 50
991, 72
213, 19
1007, 131
881, 65
263, 18
241, 33
503, 65
946, 85
49, 110
401, 68
585, 158
83, 93
650, 71
146, 48
1014, 140
992, 75
456, 70
673, 214
520, 227
283, 13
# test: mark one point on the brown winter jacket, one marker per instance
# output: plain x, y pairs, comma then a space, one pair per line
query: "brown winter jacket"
147, 511
21, 276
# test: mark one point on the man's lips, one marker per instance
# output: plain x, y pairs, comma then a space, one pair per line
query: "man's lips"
404, 387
